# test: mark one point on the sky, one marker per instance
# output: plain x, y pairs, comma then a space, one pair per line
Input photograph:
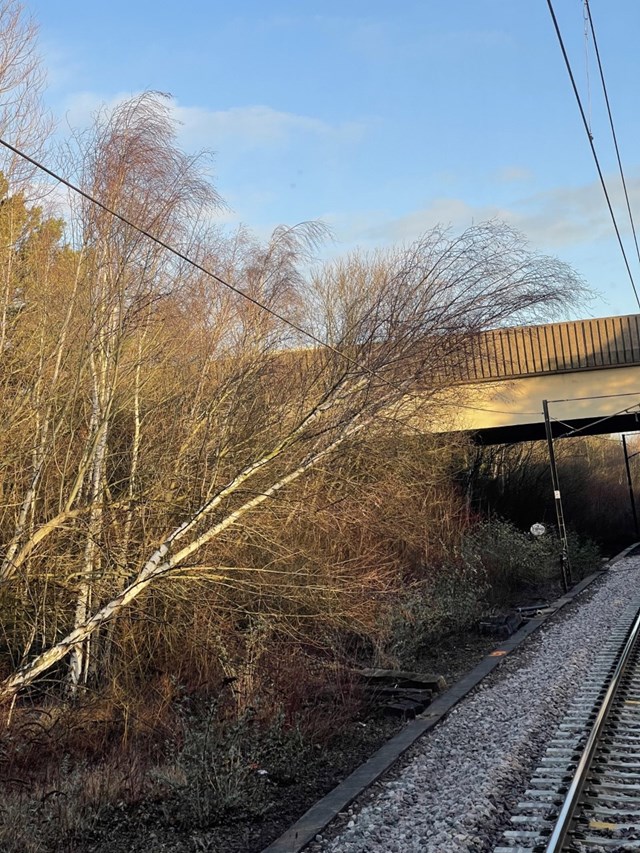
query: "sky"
380, 119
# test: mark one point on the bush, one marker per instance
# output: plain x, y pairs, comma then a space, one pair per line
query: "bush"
230, 767
585, 555
496, 564
512, 561
515, 563
448, 602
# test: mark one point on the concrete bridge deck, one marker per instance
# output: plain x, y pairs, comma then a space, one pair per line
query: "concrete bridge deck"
589, 370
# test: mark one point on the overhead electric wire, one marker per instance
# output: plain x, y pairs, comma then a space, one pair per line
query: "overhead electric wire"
175, 251
596, 422
586, 64
237, 290
593, 148
599, 436
595, 397
612, 126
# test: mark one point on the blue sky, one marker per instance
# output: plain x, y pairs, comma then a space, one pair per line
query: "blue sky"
380, 119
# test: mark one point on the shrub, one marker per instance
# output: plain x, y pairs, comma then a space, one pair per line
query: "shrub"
512, 561
446, 603
496, 563
585, 555
515, 563
225, 768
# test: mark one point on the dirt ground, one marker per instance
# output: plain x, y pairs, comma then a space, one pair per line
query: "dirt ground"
150, 825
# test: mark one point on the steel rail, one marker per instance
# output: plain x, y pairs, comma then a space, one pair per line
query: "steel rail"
567, 812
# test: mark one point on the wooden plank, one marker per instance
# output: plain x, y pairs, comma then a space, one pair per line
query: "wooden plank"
404, 679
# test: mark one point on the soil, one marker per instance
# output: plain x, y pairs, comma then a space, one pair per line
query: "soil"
454, 656
150, 825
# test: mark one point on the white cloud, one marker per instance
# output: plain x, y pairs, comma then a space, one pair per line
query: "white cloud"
567, 216
513, 174
384, 40
244, 128
258, 127
553, 219
80, 107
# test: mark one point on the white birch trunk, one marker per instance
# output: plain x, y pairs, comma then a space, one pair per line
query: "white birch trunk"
162, 562
46, 430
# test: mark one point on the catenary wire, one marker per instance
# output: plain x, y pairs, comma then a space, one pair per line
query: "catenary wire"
593, 148
173, 250
158, 241
599, 436
586, 64
599, 421
612, 126
595, 397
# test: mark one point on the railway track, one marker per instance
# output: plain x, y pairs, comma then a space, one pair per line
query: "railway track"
585, 794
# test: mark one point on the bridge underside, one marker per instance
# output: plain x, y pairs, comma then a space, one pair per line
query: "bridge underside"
536, 431
595, 402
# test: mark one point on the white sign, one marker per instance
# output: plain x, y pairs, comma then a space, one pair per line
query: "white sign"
538, 529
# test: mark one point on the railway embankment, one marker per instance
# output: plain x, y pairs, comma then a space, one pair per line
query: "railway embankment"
455, 789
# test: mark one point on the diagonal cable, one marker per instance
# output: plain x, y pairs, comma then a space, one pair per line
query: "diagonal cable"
613, 129
593, 148
237, 290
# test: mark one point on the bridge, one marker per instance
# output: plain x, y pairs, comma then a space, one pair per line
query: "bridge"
588, 370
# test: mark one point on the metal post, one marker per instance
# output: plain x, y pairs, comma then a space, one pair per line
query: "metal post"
565, 566
630, 485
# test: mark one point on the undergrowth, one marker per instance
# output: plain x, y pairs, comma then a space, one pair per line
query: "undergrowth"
231, 754
495, 566
229, 768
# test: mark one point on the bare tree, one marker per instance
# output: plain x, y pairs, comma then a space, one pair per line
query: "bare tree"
23, 122
392, 319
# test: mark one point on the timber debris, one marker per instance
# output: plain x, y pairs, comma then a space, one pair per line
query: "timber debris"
401, 693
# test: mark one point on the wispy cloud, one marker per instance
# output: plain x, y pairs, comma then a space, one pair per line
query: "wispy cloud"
555, 219
242, 128
513, 174
386, 38
259, 126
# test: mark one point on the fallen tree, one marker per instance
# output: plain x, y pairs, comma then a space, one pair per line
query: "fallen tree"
197, 419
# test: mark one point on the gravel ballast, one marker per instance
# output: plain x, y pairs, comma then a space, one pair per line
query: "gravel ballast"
455, 791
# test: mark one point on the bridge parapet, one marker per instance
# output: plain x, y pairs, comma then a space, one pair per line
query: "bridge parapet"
551, 348
588, 370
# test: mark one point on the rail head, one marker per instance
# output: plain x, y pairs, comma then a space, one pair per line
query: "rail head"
565, 819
